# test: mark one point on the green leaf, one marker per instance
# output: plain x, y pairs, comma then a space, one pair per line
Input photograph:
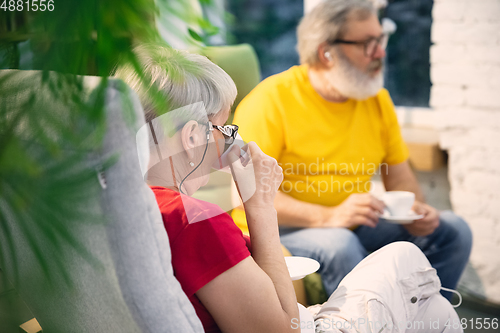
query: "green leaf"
194, 35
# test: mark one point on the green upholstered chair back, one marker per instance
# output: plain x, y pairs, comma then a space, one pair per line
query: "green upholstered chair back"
241, 63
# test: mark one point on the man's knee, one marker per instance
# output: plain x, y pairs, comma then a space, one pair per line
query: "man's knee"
350, 245
326, 244
345, 246
347, 239
463, 238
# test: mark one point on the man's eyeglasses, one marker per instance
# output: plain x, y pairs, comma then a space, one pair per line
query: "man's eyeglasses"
370, 45
229, 132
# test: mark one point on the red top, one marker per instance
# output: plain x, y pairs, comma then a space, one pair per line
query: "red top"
204, 242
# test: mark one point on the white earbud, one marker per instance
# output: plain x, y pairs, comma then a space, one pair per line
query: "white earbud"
328, 56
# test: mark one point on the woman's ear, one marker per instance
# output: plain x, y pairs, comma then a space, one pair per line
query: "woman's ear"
192, 135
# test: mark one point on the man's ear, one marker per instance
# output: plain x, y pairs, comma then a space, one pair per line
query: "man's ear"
325, 56
192, 135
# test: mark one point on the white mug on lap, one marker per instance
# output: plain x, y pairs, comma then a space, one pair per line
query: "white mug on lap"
398, 203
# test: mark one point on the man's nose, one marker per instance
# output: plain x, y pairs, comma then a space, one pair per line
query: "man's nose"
379, 52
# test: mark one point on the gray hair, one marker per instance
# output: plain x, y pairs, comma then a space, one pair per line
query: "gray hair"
183, 78
327, 22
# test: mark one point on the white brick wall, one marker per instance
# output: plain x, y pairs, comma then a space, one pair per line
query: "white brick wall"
466, 32
467, 117
465, 72
443, 95
461, 11
459, 53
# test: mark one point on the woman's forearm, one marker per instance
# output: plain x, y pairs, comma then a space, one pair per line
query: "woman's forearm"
267, 253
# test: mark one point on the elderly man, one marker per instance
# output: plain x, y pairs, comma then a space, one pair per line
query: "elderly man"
331, 127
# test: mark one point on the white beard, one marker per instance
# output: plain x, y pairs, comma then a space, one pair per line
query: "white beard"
353, 83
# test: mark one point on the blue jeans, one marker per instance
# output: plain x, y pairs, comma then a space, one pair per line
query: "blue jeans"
338, 250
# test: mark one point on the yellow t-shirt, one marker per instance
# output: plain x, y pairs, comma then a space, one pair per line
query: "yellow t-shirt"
327, 150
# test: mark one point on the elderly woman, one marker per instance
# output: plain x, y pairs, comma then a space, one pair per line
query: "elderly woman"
228, 287
232, 288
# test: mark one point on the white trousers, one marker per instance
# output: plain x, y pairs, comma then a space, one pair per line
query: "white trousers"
393, 290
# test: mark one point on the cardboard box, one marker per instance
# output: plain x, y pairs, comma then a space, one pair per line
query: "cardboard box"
423, 145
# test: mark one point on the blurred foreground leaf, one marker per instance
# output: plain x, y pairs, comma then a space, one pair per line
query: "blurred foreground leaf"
48, 125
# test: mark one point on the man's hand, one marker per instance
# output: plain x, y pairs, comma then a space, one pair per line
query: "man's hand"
426, 225
357, 209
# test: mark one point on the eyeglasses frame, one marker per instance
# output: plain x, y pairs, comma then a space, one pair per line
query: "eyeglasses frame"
365, 43
229, 131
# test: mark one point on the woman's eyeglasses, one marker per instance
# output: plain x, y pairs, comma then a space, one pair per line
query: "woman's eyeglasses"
229, 132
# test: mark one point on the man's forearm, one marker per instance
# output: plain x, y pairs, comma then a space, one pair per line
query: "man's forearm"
410, 187
296, 213
400, 177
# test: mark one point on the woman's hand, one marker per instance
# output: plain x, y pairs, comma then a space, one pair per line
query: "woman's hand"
257, 178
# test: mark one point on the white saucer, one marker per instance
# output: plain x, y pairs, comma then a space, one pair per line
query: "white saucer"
401, 219
298, 267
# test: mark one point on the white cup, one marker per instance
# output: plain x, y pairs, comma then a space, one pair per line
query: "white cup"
398, 203
222, 163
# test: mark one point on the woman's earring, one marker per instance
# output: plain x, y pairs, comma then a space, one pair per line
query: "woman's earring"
191, 164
